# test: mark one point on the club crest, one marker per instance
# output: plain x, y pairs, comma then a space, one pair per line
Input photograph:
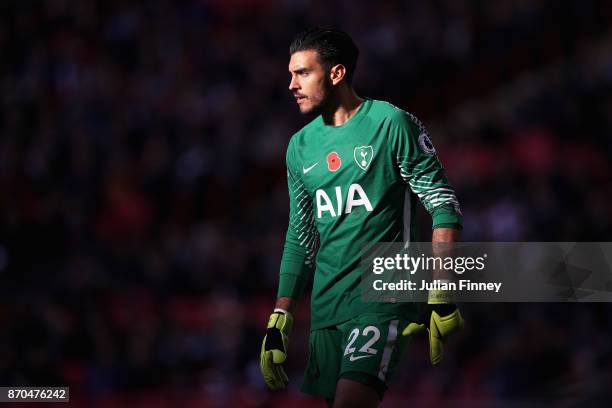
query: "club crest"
363, 156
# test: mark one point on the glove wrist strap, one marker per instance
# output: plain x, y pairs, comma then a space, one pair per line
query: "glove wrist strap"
439, 296
282, 320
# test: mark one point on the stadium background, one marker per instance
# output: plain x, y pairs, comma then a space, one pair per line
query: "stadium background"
143, 201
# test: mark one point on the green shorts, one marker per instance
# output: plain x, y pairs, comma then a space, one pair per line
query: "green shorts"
365, 349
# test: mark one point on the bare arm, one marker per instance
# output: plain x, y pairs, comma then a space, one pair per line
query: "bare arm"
445, 235
286, 303
441, 242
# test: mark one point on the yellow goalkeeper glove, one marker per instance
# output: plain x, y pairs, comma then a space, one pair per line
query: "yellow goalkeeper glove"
440, 319
274, 349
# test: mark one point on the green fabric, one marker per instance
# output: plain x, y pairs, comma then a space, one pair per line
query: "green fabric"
291, 285
366, 349
444, 216
453, 226
351, 185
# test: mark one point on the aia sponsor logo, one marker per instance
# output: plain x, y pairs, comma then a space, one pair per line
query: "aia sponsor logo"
333, 161
345, 201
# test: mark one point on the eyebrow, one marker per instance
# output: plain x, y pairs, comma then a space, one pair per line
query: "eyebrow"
299, 70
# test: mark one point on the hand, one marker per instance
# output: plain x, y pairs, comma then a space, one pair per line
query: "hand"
441, 321
274, 349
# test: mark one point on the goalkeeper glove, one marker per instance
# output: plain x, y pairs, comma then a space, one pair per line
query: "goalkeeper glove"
441, 320
274, 349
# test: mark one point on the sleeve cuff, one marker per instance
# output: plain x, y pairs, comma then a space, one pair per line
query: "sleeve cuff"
290, 285
453, 225
446, 217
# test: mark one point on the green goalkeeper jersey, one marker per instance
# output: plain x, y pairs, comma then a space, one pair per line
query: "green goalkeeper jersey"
353, 185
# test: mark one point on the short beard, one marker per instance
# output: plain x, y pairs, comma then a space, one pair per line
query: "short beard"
328, 101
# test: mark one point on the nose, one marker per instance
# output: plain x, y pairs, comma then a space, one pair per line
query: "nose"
293, 84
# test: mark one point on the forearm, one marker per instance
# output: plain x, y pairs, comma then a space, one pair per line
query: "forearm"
296, 264
443, 235
441, 242
286, 303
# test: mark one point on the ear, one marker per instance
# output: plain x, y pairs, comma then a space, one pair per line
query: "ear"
337, 73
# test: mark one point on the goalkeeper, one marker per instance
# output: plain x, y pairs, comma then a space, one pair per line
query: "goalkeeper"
355, 174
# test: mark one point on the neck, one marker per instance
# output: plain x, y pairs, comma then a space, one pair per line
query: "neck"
343, 107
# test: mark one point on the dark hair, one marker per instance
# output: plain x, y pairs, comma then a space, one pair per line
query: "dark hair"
333, 46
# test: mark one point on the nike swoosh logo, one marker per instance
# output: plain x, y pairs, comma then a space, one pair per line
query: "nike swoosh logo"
307, 169
353, 358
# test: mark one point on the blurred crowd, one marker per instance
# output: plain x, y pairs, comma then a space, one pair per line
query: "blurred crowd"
143, 200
